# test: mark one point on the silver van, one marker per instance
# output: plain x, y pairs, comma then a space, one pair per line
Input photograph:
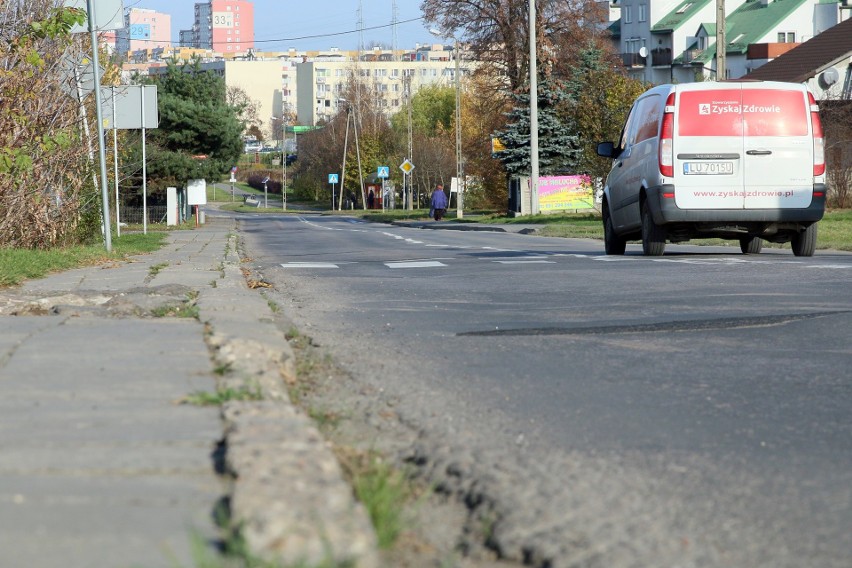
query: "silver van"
733, 160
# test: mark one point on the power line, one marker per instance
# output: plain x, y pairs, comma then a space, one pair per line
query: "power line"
383, 26
315, 36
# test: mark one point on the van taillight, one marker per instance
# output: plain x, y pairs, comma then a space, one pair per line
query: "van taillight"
666, 143
819, 144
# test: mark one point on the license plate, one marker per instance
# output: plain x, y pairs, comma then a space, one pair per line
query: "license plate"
708, 168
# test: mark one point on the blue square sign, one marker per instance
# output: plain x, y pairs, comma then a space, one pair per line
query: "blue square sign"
383, 172
332, 178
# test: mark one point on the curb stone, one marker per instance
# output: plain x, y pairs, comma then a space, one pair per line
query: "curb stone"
289, 498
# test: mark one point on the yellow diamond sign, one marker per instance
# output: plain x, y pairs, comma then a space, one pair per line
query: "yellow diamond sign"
406, 166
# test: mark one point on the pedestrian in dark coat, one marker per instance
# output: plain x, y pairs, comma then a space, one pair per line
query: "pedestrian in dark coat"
438, 205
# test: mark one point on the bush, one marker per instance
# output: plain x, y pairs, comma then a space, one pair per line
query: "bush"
255, 180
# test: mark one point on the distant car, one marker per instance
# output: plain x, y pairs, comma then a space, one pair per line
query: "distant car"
732, 160
252, 147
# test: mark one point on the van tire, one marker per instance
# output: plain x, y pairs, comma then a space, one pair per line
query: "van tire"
613, 244
653, 236
804, 242
751, 245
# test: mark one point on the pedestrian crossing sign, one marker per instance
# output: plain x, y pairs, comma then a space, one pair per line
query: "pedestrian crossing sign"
332, 178
383, 172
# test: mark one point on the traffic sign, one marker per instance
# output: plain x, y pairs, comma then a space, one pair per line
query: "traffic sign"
383, 172
332, 178
406, 166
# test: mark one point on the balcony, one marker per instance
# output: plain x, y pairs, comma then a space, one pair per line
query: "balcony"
661, 57
633, 60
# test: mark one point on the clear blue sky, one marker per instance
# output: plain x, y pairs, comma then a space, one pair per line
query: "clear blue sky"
281, 24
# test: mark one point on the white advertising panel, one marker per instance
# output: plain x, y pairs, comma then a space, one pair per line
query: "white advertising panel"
196, 192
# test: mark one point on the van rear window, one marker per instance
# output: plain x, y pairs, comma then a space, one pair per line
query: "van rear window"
749, 112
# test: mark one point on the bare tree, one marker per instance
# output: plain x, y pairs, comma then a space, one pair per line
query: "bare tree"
247, 108
837, 123
497, 31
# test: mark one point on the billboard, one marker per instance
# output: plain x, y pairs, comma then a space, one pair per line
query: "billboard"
563, 193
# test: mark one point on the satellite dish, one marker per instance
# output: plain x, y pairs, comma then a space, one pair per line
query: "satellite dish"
643, 51
828, 77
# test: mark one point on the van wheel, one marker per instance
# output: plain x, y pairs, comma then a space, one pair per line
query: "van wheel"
751, 245
613, 244
653, 236
804, 242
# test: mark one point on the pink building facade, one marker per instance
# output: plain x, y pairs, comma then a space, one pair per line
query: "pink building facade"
147, 29
232, 26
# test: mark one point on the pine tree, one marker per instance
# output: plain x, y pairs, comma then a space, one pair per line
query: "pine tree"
558, 145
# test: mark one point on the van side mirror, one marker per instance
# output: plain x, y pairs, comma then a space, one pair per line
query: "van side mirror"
607, 150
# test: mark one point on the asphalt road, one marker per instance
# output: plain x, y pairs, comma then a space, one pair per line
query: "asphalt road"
688, 410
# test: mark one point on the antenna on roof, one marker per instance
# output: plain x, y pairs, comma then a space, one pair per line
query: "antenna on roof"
394, 25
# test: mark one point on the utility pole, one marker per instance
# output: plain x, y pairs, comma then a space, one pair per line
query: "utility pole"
459, 167
533, 113
410, 193
721, 45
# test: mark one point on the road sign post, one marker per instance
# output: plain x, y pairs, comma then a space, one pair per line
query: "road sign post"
383, 172
333, 179
407, 167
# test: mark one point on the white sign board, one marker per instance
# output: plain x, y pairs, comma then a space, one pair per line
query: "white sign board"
128, 107
196, 192
108, 14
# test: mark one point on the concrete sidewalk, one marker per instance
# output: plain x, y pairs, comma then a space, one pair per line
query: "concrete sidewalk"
101, 465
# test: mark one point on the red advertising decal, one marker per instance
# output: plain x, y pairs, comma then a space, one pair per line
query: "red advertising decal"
710, 113
774, 113
749, 112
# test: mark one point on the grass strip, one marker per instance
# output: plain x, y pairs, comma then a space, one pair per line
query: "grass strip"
17, 265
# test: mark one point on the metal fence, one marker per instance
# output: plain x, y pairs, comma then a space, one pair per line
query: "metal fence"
133, 215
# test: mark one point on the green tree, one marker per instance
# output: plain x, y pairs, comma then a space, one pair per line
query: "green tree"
558, 144
199, 135
599, 96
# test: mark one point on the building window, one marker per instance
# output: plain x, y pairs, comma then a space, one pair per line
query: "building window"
627, 12
786, 37
643, 12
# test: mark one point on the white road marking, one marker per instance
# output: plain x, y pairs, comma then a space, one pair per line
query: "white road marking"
415, 264
310, 265
524, 261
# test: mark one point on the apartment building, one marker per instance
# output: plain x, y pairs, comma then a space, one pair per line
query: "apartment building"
144, 30
322, 83
664, 42
225, 26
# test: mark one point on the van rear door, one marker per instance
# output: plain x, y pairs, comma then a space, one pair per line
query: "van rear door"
708, 147
778, 157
